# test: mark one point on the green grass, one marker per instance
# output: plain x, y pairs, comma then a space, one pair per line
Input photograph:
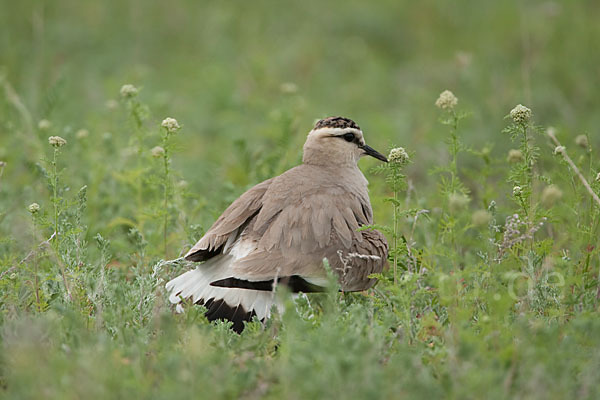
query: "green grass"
466, 310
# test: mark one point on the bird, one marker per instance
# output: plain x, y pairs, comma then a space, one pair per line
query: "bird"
280, 231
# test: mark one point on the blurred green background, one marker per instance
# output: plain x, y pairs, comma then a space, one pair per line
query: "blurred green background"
248, 80
219, 66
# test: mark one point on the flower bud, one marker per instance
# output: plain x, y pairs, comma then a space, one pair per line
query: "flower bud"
481, 218
157, 152
550, 195
514, 156
34, 208
44, 125
398, 155
82, 134
457, 201
56, 141
582, 141
446, 101
517, 191
128, 91
170, 124
520, 114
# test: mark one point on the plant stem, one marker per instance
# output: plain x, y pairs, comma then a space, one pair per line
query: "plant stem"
395, 230
56, 242
55, 194
35, 267
576, 170
166, 191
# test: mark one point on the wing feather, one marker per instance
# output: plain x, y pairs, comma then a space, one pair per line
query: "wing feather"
235, 216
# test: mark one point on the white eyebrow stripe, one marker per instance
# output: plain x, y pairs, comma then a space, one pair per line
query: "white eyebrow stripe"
337, 131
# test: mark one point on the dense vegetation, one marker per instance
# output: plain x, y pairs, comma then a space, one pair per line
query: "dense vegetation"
493, 288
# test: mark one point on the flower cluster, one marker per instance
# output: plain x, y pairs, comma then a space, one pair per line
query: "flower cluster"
514, 156
517, 191
513, 235
129, 91
56, 141
44, 125
446, 101
170, 124
550, 195
157, 152
481, 218
82, 134
398, 155
34, 208
582, 141
288, 88
520, 114
458, 201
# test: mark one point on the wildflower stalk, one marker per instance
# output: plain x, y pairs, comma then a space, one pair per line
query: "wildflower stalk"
33, 210
171, 127
398, 158
447, 103
138, 113
166, 183
454, 149
521, 175
455, 193
55, 191
395, 238
57, 142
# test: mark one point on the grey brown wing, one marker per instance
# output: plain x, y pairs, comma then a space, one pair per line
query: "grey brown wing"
229, 224
293, 240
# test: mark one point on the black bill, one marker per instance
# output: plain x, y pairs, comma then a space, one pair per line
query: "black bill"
373, 153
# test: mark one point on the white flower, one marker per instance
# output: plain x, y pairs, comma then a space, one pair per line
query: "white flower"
111, 104
170, 124
34, 208
520, 114
481, 218
2, 164
582, 141
288, 88
398, 155
550, 195
457, 201
44, 125
559, 149
157, 152
128, 91
446, 101
514, 156
598, 177
56, 141
517, 191
82, 134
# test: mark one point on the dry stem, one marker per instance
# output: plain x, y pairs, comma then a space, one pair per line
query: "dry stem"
574, 167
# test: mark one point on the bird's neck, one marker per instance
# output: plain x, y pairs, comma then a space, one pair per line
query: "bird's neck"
328, 157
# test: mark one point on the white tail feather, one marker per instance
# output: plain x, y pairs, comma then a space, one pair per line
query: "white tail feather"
195, 285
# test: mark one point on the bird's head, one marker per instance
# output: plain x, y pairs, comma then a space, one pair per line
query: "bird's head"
337, 141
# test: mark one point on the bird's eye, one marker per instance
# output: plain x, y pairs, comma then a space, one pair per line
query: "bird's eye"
348, 137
